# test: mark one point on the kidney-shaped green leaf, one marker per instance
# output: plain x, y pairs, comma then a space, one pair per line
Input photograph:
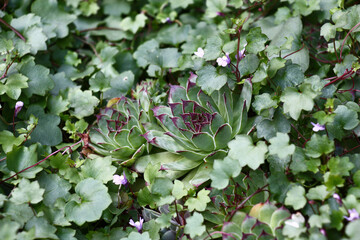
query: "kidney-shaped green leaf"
94, 199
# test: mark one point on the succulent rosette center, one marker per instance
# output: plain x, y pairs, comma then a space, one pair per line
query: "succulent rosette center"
196, 125
117, 132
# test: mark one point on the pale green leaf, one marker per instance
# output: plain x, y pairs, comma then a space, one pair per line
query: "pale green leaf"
209, 80
280, 145
55, 187
318, 193
93, 199
223, 171
243, 149
319, 145
8, 140
179, 190
199, 203
295, 197
98, 168
194, 225
83, 102
27, 192
133, 25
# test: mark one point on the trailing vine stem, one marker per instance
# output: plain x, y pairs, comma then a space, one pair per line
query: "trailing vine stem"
244, 202
347, 35
53, 153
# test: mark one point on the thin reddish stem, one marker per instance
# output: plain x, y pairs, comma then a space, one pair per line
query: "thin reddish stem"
347, 35
244, 202
303, 45
41, 161
346, 74
299, 133
346, 152
13, 29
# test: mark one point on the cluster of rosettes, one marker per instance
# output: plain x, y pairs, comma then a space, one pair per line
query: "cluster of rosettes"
196, 125
118, 131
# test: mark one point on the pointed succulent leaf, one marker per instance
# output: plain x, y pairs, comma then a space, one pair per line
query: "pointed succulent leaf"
118, 131
163, 141
204, 141
198, 175
192, 154
278, 217
248, 224
182, 164
223, 136
177, 94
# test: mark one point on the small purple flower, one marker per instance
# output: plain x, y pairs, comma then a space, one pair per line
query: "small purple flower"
353, 215
337, 198
241, 53
317, 127
200, 52
224, 61
323, 232
18, 107
220, 14
138, 224
120, 180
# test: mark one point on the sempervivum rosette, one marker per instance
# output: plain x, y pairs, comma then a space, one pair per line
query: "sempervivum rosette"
199, 126
118, 131
149, 92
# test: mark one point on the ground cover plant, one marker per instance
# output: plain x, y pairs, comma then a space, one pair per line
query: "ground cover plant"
165, 119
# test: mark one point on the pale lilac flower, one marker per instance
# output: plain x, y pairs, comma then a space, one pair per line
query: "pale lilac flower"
200, 52
138, 224
120, 180
337, 198
353, 215
220, 14
323, 232
18, 107
224, 61
317, 127
241, 53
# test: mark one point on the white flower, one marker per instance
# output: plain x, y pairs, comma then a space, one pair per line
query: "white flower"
200, 52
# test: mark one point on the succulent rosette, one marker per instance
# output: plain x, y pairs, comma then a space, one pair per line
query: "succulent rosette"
118, 131
199, 126
149, 92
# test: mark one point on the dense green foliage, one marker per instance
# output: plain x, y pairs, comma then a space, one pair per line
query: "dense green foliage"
192, 119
